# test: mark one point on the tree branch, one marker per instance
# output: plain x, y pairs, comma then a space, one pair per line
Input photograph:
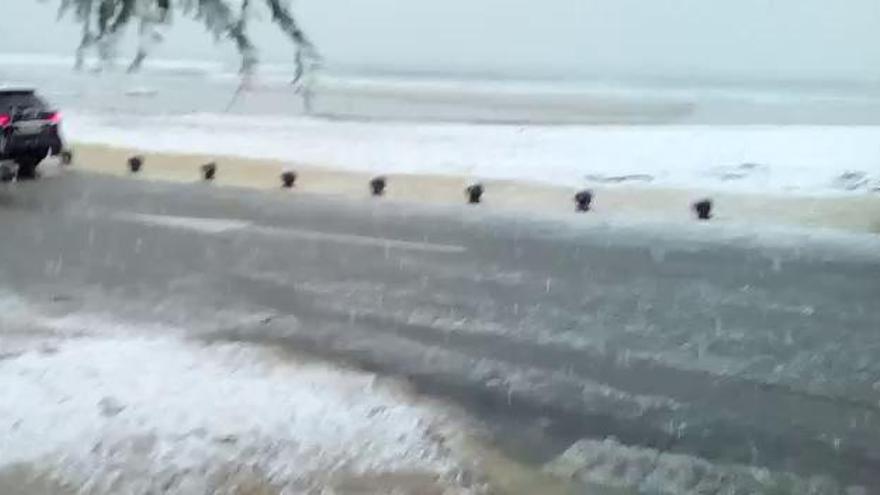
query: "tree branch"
306, 54
219, 19
151, 13
282, 16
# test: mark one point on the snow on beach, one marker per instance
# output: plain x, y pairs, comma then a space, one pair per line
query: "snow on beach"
188, 107
759, 160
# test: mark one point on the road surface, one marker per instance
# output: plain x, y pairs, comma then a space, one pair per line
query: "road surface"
736, 349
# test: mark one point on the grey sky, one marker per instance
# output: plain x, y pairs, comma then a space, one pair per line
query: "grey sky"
728, 39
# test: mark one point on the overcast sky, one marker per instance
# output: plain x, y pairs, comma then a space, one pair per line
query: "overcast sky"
728, 39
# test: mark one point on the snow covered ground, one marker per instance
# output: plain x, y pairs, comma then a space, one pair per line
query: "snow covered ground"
98, 406
801, 160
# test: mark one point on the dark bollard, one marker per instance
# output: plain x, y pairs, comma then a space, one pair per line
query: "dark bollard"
583, 199
66, 157
474, 193
135, 163
703, 209
209, 171
377, 186
288, 179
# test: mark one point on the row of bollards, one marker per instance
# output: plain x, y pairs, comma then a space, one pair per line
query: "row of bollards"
583, 200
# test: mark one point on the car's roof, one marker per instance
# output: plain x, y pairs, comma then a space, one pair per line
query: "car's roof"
16, 91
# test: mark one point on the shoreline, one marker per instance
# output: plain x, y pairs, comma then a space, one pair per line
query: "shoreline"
857, 212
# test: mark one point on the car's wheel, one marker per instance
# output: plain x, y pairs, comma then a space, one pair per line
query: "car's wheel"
27, 167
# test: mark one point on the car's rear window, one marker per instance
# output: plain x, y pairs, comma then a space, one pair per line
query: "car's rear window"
20, 100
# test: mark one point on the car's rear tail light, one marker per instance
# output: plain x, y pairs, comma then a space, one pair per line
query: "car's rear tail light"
55, 117
5, 120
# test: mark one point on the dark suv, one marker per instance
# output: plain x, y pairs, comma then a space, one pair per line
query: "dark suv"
29, 130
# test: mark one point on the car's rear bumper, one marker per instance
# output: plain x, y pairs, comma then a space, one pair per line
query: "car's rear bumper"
12, 146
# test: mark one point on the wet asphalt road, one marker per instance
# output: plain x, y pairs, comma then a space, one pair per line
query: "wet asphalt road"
735, 350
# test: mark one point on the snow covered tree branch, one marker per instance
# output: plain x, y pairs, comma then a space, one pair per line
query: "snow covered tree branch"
306, 57
151, 16
83, 13
220, 19
104, 23
113, 16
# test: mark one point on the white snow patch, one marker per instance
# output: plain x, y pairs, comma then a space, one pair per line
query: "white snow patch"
141, 92
135, 415
759, 159
221, 225
198, 224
